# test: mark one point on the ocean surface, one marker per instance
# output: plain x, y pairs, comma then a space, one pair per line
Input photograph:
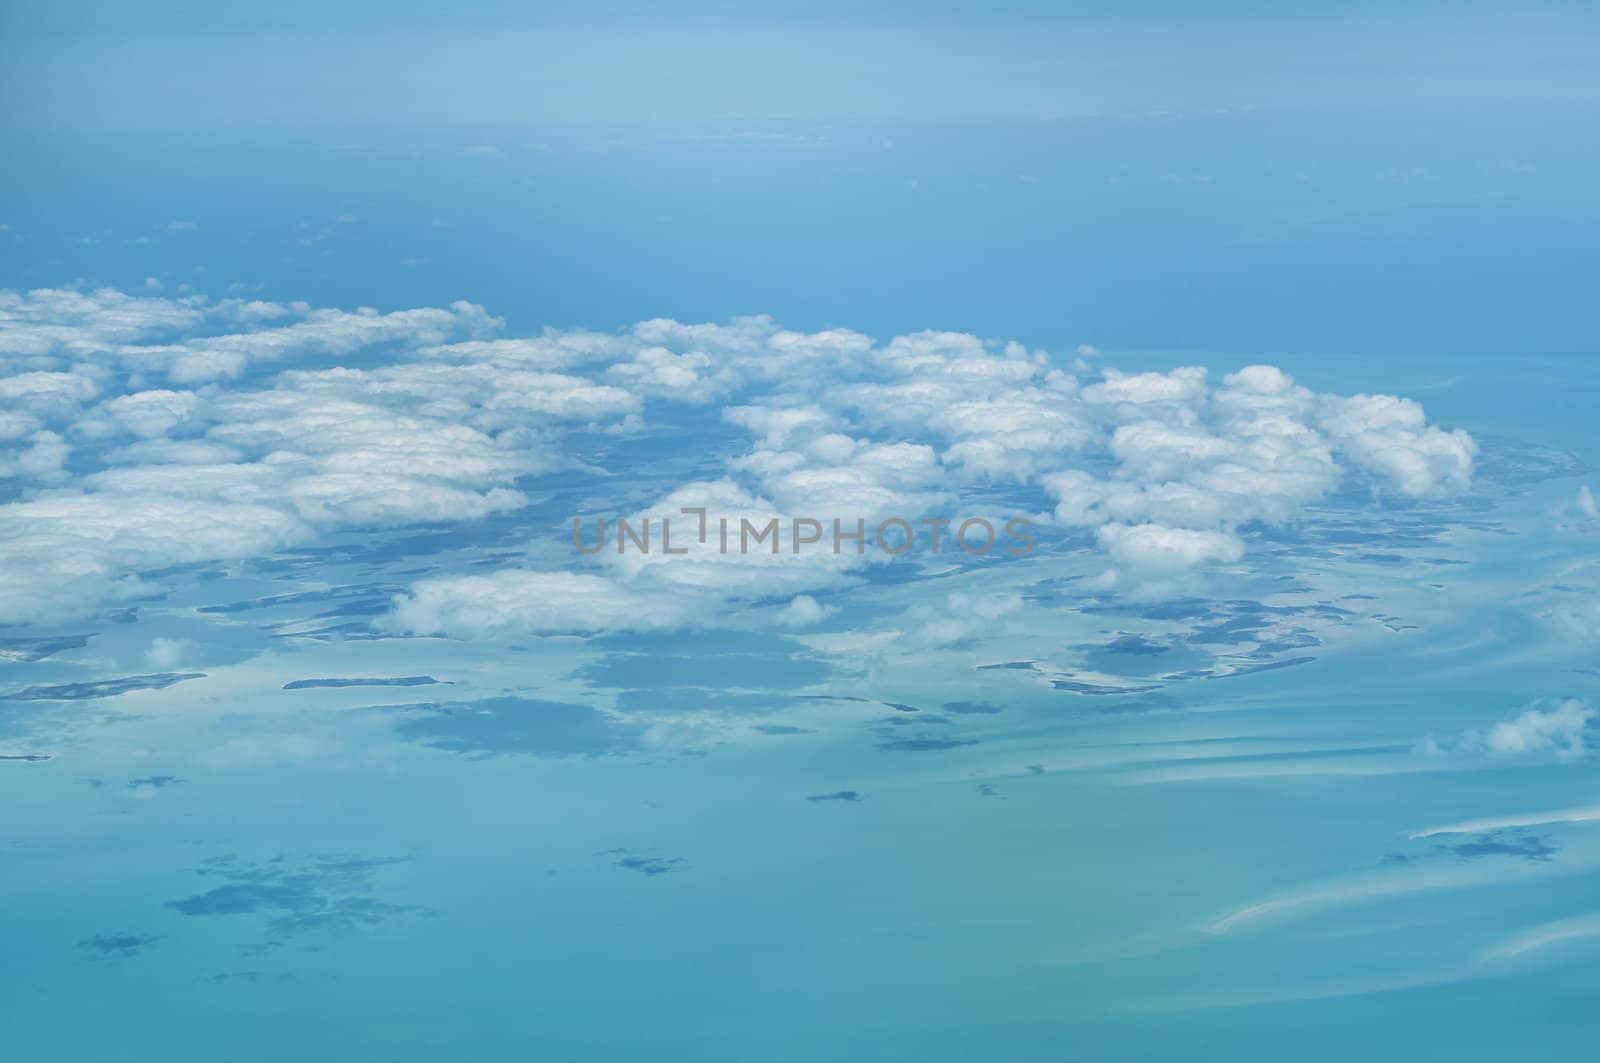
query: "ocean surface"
1195, 823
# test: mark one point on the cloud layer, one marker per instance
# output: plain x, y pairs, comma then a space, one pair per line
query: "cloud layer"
140, 432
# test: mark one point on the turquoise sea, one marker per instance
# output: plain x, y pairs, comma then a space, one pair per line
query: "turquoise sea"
282, 779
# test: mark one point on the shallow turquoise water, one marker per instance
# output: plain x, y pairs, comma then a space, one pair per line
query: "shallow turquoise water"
1223, 866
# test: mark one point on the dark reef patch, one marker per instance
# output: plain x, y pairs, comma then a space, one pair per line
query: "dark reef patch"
395, 681
103, 688
506, 725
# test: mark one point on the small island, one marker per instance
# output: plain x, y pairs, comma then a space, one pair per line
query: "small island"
396, 681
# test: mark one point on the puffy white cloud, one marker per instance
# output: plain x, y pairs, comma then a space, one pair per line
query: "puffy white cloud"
553, 350
168, 655
516, 601
146, 414
69, 553
319, 333
172, 452
1151, 451
359, 437
1086, 500
1559, 730
737, 559
52, 328
1188, 459
42, 461
1176, 393
151, 413
39, 328
959, 617
168, 475
1001, 415
1390, 436
368, 499
835, 448
1158, 548
776, 424
871, 482
49, 392
660, 373
643, 587
334, 463
803, 611
14, 424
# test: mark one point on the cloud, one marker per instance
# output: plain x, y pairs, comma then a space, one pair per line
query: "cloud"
517, 601
960, 617
69, 553
43, 461
167, 655
146, 414
1155, 394
775, 425
1586, 503
1158, 548
1389, 436
144, 431
41, 327
803, 611
871, 481
172, 476
1558, 730
317, 333
1579, 622
746, 570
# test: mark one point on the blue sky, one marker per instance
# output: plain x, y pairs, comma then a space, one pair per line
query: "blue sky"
320, 325
1372, 179
297, 66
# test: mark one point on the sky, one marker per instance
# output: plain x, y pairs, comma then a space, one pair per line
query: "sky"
297, 66
1393, 178
334, 337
